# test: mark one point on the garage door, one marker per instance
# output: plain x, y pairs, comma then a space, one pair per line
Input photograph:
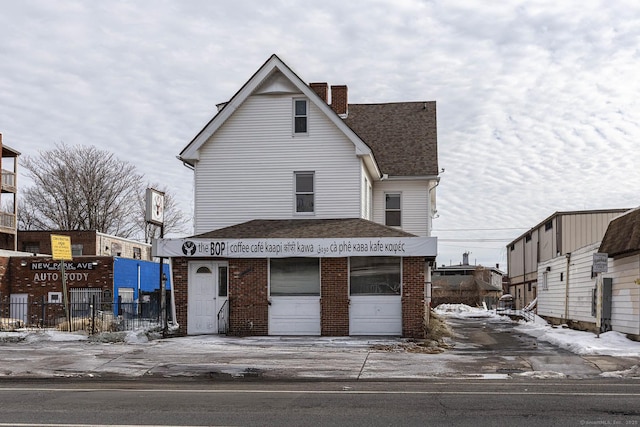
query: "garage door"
294, 296
375, 302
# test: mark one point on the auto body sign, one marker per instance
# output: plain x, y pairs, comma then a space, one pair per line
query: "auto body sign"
284, 248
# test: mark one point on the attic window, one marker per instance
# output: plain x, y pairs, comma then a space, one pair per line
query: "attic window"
548, 225
300, 116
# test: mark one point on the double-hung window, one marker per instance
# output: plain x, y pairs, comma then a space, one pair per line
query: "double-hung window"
304, 183
392, 210
300, 116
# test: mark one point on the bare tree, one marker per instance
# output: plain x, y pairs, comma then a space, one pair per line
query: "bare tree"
81, 188
174, 219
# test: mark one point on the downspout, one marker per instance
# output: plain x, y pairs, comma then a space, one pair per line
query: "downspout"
566, 294
427, 275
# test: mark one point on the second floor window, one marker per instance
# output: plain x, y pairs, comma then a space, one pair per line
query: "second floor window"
392, 210
299, 116
304, 192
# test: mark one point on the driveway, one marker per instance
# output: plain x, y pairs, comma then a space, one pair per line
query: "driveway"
493, 346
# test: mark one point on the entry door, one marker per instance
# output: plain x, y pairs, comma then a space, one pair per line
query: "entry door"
18, 304
207, 296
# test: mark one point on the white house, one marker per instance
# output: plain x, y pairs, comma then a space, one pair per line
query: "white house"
312, 215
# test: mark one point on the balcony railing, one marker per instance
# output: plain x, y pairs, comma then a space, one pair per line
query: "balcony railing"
8, 181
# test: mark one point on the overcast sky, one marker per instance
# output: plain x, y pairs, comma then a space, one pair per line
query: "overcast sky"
537, 101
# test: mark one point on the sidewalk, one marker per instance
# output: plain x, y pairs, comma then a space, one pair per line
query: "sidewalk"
51, 355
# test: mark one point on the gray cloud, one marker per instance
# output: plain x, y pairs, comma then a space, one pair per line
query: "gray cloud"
537, 102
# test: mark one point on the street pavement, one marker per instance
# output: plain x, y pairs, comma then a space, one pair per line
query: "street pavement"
489, 352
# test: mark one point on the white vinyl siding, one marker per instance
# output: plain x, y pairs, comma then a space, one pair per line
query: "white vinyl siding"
625, 301
556, 300
414, 204
245, 169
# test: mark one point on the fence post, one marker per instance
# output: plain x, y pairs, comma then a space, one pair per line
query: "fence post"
44, 312
93, 314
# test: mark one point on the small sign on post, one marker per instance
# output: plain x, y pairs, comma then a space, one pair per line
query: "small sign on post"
600, 265
600, 262
61, 247
61, 250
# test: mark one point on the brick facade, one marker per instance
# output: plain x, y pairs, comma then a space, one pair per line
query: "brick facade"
37, 282
334, 303
413, 298
249, 299
92, 242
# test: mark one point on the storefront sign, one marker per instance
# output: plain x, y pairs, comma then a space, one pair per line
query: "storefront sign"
284, 248
56, 266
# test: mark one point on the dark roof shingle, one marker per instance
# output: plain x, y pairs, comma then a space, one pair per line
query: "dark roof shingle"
305, 228
403, 136
622, 235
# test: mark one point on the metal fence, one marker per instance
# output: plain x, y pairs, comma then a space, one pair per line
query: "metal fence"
90, 315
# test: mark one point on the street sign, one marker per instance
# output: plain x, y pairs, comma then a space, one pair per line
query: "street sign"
600, 262
61, 247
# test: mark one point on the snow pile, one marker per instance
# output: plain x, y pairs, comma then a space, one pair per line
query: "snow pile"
580, 342
463, 311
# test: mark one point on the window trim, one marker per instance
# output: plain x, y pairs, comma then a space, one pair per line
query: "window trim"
400, 292
295, 116
278, 294
386, 209
296, 192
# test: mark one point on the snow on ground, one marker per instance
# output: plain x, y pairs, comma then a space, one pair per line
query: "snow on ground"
580, 342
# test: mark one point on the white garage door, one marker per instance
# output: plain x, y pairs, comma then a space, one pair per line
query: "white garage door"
375, 315
294, 316
375, 302
294, 296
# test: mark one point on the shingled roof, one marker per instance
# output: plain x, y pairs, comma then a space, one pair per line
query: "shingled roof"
403, 136
623, 235
305, 228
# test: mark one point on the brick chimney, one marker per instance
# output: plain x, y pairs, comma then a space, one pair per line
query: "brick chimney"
322, 89
339, 99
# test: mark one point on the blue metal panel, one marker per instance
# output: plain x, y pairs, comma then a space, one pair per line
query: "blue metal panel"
125, 275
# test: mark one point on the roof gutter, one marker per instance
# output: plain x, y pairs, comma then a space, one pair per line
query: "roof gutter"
186, 163
386, 177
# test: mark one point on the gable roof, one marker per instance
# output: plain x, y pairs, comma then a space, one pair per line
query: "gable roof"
622, 235
266, 73
305, 228
403, 136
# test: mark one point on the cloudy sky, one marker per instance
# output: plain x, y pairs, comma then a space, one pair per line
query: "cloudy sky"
537, 101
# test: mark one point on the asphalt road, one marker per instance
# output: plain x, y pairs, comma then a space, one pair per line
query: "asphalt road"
317, 403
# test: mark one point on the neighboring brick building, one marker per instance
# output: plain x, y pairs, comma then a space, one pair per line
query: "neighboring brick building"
84, 243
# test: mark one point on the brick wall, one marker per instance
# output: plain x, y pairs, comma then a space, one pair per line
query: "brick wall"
249, 306
38, 283
248, 298
413, 300
4, 276
334, 303
43, 239
92, 243
180, 270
